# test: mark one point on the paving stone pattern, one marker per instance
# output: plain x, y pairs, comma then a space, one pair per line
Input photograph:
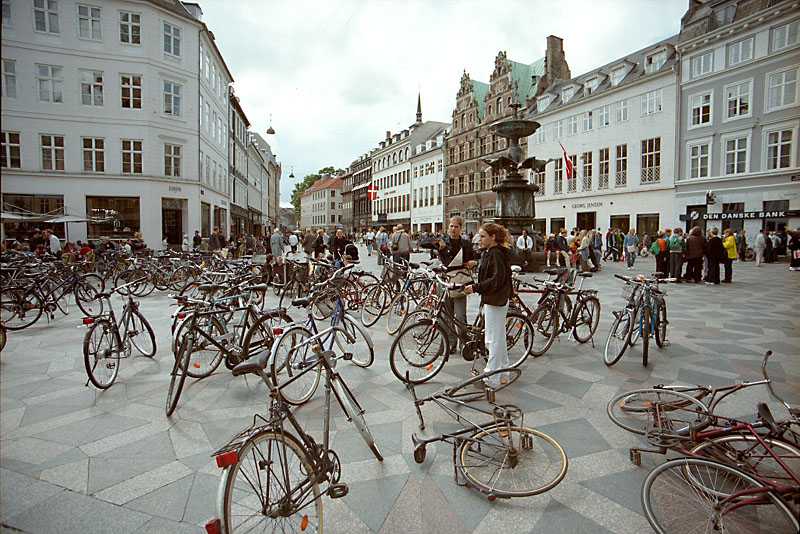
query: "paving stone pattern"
78, 460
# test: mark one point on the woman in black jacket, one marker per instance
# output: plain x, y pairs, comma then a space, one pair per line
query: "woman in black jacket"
494, 286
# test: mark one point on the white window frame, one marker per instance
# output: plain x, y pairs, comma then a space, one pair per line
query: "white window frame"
567, 94
9, 78
49, 11
654, 176
130, 88
790, 126
558, 129
652, 99
737, 48
784, 104
91, 82
737, 136
92, 17
172, 160
53, 83
96, 151
693, 105
726, 105
700, 61
787, 34
617, 75
621, 175
588, 121
8, 153
6, 8
54, 150
604, 116
572, 125
130, 24
542, 102
621, 108
170, 38
129, 147
698, 143
172, 99
655, 61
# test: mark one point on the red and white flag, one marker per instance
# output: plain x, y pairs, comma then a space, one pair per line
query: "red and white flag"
567, 163
372, 192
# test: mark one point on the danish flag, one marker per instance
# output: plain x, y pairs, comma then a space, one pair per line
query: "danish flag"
372, 192
567, 163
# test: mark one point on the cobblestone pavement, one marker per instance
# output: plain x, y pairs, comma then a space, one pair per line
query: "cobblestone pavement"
75, 459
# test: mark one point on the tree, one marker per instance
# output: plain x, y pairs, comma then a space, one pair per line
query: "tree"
308, 181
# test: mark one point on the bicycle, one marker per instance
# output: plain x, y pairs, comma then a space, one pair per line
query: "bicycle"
270, 474
645, 314
108, 339
500, 458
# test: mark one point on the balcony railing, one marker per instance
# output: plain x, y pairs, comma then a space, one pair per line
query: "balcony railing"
602, 181
651, 175
622, 179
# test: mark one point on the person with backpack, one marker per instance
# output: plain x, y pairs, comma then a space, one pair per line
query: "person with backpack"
381, 240
677, 249
400, 244
659, 250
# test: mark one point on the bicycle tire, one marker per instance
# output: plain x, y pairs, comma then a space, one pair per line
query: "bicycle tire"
519, 338
464, 389
373, 305
355, 342
324, 304
645, 335
746, 453
398, 309
661, 323
291, 291
178, 375
354, 415
618, 337
3, 336
271, 463
86, 291
101, 354
673, 502
143, 338
545, 328
261, 334
292, 353
21, 307
126, 277
587, 317
635, 331
421, 350
205, 357
632, 411
486, 462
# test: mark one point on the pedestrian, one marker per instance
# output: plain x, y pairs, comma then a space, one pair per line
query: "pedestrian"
197, 241
495, 287
631, 246
185, 242
308, 242
215, 241
338, 244
677, 249
584, 243
369, 239
742, 244
659, 250
793, 247
138, 246
695, 247
772, 253
760, 247
165, 243
380, 240
563, 247
715, 254
249, 244
551, 251
276, 244
52, 243
293, 242
319, 244
729, 243
400, 244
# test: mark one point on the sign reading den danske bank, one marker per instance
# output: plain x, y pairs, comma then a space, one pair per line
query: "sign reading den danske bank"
777, 214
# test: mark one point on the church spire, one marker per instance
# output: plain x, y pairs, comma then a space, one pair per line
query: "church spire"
419, 108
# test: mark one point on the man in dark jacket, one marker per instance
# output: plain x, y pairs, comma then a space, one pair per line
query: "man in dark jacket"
714, 256
197, 241
563, 248
695, 248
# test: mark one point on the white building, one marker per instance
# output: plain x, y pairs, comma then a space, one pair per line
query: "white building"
427, 179
114, 110
321, 204
617, 124
270, 182
739, 123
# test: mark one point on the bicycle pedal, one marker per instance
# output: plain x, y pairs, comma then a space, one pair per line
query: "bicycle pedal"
636, 457
347, 356
338, 490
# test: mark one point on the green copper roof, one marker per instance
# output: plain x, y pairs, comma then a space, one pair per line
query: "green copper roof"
479, 92
522, 75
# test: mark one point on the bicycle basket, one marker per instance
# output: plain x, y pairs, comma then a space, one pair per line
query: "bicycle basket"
630, 290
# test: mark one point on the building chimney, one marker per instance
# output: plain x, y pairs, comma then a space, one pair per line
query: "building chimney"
555, 64
388, 134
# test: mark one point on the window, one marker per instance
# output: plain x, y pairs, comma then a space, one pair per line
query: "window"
172, 160
89, 22
604, 116
559, 176
779, 149
130, 28
700, 109
651, 160
9, 78
699, 160
539, 180
542, 103
125, 220
622, 166
132, 157
567, 93
588, 121
45, 16
558, 129
654, 62
172, 40
651, 102
784, 36
702, 65
131, 90
572, 125
10, 151
49, 81
172, 99
209, 124
736, 155
737, 99
781, 89
93, 154
602, 178
617, 75
572, 181
52, 152
499, 105
539, 136
6, 12
91, 88
622, 110
587, 171
724, 15
739, 52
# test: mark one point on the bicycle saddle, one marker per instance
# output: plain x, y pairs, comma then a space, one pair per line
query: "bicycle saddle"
103, 296
303, 302
765, 414
209, 287
516, 269
586, 274
252, 365
413, 265
258, 287
557, 270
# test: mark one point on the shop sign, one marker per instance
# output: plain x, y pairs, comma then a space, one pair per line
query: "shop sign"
587, 205
175, 188
738, 215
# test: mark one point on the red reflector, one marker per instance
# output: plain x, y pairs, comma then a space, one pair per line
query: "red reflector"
181, 316
492, 497
304, 523
88, 320
213, 526
277, 331
228, 458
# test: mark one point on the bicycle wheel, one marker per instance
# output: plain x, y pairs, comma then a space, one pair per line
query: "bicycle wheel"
685, 494
661, 322
619, 337
178, 375
545, 328
3, 336
637, 322
292, 355
291, 291
21, 307
664, 410
127, 277
86, 291
645, 335
398, 309
519, 338
205, 356
587, 317
419, 350
140, 333
464, 390
746, 453
355, 342
182, 276
350, 407
324, 303
511, 461
261, 335
270, 488
101, 354
375, 302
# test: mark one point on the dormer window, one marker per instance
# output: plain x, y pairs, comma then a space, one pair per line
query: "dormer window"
542, 102
654, 62
566, 94
617, 75
591, 85
724, 15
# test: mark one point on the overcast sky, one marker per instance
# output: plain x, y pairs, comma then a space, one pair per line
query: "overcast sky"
336, 74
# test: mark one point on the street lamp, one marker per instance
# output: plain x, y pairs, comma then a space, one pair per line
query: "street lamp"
270, 130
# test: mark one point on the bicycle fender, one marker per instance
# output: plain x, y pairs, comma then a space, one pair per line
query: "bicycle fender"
360, 328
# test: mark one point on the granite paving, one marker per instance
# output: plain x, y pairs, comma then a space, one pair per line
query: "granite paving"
77, 459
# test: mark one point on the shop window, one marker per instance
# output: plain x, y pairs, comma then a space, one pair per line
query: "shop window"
119, 216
